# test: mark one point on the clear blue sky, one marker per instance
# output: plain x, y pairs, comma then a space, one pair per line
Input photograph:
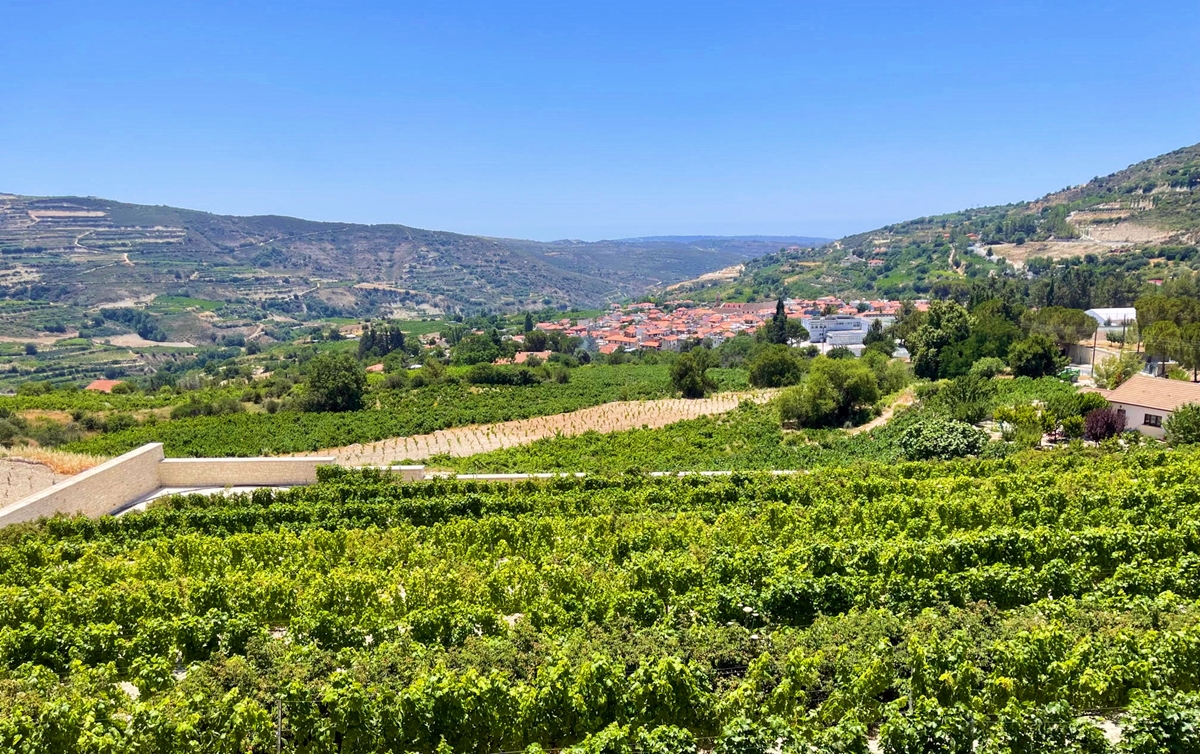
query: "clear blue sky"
590, 120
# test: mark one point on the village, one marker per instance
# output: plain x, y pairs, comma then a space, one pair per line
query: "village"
830, 322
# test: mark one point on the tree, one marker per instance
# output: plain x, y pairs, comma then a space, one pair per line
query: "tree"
877, 340
1187, 352
31, 349
778, 327
1036, 356
1114, 370
993, 330
837, 392
536, 340
946, 323
528, 322
776, 366
335, 383
475, 349
1063, 326
1161, 339
1183, 425
379, 341
689, 373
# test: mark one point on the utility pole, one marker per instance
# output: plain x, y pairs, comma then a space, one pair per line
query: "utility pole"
279, 725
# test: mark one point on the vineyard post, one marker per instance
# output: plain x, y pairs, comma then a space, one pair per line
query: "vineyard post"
278, 725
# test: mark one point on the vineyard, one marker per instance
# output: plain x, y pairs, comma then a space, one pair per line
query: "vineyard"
1026, 604
749, 437
395, 413
596, 420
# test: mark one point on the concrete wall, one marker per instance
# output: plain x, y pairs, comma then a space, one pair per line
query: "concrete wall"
240, 472
94, 492
406, 473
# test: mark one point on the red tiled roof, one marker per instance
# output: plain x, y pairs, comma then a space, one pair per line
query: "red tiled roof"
103, 386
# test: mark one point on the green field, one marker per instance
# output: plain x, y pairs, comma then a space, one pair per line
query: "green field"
400, 413
180, 303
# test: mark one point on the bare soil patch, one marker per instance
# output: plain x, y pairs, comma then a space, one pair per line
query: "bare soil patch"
1019, 255
726, 273
608, 417
20, 477
132, 340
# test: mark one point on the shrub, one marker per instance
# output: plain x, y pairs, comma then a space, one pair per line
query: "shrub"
119, 422
1073, 427
967, 399
1162, 724
935, 437
837, 392
1103, 423
987, 367
1183, 425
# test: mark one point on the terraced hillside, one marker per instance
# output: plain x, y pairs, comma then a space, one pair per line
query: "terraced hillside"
1151, 210
87, 251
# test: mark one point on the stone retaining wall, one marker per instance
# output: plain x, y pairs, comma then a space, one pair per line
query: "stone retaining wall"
94, 492
240, 472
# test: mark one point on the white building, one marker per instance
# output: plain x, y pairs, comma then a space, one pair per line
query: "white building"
1114, 316
820, 327
1148, 401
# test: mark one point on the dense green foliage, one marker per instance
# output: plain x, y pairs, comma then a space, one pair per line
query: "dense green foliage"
836, 393
1183, 425
335, 383
930, 603
689, 374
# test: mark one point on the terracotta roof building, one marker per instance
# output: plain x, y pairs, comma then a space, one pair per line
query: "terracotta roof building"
102, 386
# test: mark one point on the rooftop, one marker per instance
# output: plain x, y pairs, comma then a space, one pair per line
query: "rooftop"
1156, 392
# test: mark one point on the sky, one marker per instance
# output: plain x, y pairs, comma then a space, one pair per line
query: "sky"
590, 120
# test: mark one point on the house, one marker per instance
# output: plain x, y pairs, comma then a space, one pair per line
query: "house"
523, 356
1148, 401
102, 386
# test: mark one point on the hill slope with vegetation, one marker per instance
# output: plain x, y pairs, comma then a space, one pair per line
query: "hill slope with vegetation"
86, 251
1141, 223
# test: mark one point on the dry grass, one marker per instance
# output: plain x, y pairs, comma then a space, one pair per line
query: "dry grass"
608, 417
59, 462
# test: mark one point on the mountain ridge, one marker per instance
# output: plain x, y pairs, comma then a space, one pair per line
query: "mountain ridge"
90, 251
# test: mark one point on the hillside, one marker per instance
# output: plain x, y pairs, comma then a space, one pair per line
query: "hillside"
1145, 216
88, 251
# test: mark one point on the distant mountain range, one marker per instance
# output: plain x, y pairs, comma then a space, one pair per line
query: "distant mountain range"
88, 251
1145, 216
